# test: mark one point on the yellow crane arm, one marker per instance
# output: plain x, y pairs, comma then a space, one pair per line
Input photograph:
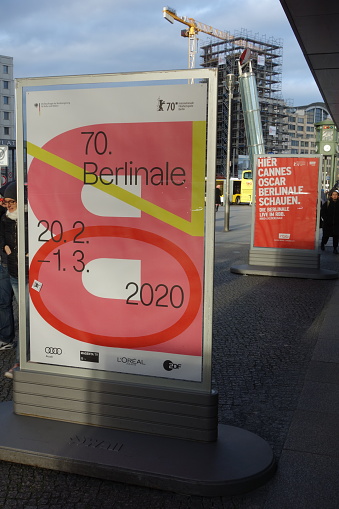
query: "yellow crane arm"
195, 26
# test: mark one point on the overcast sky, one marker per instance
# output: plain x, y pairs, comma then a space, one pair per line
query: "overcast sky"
102, 36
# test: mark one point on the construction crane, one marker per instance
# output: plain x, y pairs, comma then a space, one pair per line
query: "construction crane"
194, 27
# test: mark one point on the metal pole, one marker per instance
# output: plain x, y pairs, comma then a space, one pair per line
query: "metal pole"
230, 82
192, 50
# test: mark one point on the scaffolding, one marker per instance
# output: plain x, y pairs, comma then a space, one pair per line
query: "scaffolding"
266, 57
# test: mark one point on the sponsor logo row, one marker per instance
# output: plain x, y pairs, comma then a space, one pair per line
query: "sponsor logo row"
87, 356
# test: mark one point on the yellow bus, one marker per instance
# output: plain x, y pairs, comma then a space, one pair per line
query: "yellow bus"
241, 190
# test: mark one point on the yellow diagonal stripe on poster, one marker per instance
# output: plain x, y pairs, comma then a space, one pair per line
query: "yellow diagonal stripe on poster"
195, 227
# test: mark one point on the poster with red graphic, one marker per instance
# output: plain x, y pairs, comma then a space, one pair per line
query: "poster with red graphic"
116, 190
286, 202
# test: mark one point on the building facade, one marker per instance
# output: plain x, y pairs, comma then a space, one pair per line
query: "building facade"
301, 130
7, 102
7, 115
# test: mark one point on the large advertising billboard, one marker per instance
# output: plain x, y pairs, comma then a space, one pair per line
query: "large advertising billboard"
286, 202
116, 225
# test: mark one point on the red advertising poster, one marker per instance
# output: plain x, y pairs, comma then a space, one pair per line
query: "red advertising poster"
116, 228
286, 202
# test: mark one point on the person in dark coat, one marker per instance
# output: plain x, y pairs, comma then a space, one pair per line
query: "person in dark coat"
7, 332
330, 220
217, 197
9, 245
9, 235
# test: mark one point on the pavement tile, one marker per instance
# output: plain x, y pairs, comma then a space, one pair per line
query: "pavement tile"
320, 397
326, 372
327, 350
314, 432
305, 481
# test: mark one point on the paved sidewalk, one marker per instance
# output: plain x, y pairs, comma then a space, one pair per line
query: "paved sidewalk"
298, 323
275, 365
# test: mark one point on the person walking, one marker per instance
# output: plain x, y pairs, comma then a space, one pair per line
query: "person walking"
329, 213
217, 198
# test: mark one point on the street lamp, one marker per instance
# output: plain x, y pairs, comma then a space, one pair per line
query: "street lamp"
230, 83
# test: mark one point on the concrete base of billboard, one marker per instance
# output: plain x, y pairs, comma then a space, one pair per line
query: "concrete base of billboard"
297, 272
237, 462
297, 263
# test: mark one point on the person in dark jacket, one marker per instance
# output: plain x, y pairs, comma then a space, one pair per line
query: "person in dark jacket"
9, 244
330, 220
7, 331
9, 235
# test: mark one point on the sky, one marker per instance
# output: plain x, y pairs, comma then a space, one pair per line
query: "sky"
72, 37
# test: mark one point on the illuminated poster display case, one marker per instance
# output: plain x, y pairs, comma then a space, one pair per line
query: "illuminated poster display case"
119, 237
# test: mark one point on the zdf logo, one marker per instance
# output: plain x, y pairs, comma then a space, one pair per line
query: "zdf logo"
169, 365
53, 350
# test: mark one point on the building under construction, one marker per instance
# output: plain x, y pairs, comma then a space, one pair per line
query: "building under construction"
266, 58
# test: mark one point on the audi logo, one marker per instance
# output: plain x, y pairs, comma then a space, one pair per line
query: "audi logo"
53, 350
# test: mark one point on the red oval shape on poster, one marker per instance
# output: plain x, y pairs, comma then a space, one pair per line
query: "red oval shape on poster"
118, 341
